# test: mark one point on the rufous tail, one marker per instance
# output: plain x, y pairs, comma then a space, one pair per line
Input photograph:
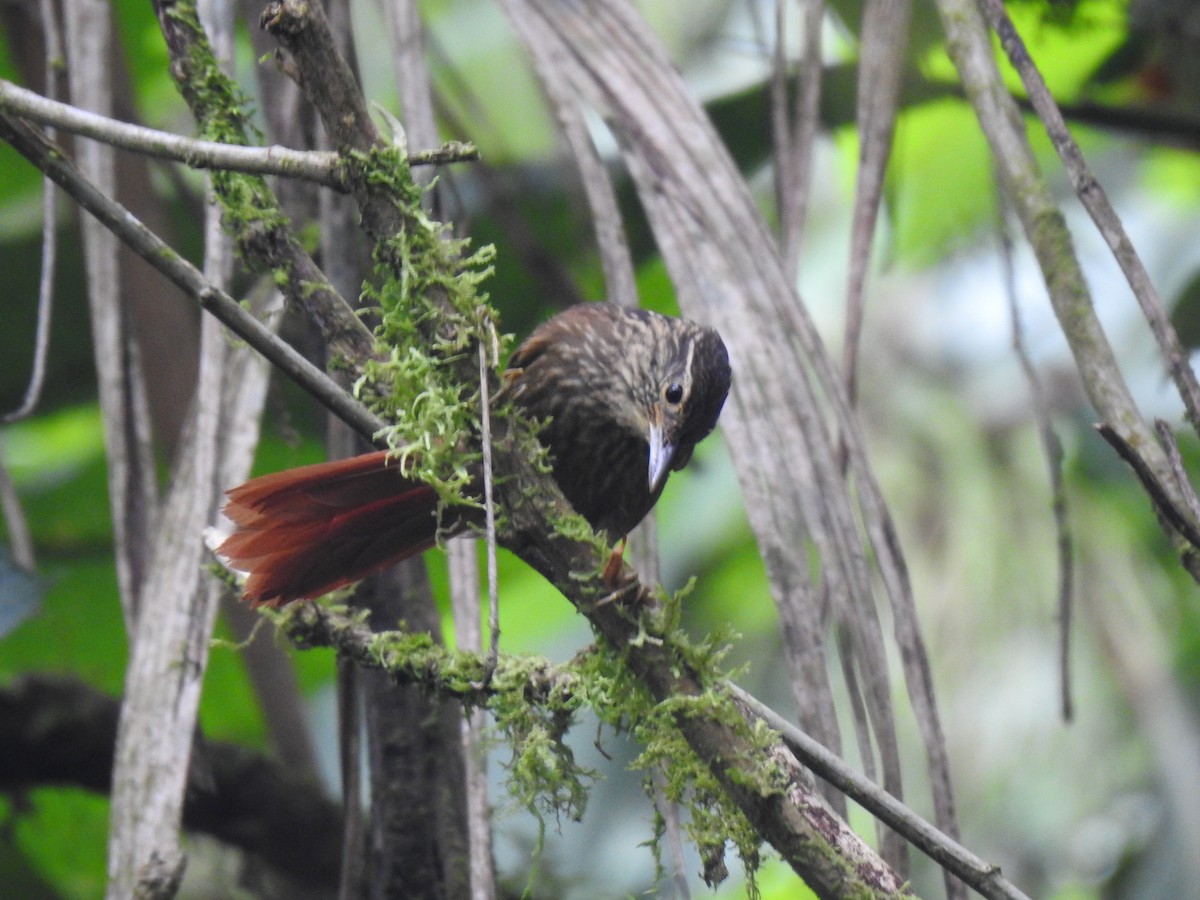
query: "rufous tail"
304, 532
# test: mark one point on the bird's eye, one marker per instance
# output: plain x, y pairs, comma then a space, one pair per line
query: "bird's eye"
673, 393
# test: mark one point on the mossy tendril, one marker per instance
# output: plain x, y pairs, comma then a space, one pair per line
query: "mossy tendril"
432, 316
534, 702
621, 699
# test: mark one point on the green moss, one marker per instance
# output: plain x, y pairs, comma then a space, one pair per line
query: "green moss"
670, 765
534, 703
433, 316
222, 111
543, 774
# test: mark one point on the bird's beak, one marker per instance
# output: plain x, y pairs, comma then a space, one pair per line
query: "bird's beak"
661, 453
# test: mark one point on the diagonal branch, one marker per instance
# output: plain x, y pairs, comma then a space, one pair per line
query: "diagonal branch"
539, 681
970, 48
51, 160
1095, 200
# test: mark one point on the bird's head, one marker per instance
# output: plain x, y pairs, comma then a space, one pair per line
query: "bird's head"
685, 382
597, 368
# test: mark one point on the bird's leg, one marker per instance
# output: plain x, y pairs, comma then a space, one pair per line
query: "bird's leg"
612, 568
615, 579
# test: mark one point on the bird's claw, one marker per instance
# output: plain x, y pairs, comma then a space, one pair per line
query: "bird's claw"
622, 592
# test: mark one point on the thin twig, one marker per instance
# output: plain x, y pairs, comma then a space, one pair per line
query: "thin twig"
45, 307
880, 71
1159, 495
781, 132
322, 167
1052, 451
1182, 483
120, 380
951, 855
350, 726
550, 61
794, 153
489, 506
668, 811
41, 344
13, 515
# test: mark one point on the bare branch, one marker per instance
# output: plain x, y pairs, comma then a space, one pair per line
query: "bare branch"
169, 656
406, 39
1053, 454
795, 142
127, 438
13, 516
57, 731
464, 599
980, 875
151, 248
489, 506
1094, 199
971, 50
1160, 496
549, 62
321, 167
1182, 483
54, 77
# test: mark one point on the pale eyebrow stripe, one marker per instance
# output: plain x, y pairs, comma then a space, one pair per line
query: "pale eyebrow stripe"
687, 367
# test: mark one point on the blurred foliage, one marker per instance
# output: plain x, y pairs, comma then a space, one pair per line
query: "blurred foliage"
1070, 811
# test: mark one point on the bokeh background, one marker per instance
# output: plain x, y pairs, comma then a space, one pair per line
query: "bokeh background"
1101, 806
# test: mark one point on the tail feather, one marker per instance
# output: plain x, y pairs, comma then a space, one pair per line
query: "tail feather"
307, 531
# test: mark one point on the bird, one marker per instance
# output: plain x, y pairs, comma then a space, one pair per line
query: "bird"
625, 395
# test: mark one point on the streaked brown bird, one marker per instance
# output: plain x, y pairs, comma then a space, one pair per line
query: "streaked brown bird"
628, 394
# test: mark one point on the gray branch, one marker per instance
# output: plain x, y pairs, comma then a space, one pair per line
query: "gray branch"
322, 167
187, 277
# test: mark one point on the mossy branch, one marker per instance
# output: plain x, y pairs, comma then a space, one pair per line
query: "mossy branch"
647, 677
434, 318
635, 628
534, 702
562, 689
250, 210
